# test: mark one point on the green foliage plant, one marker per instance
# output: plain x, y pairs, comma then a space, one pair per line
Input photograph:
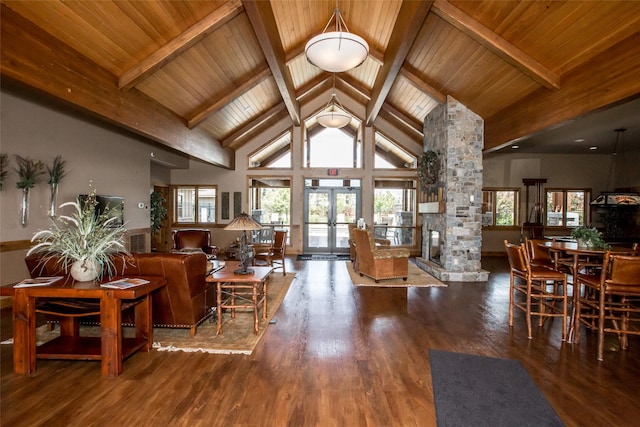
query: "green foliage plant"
56, 170
29, 172
158, 210
82, 236
590, 236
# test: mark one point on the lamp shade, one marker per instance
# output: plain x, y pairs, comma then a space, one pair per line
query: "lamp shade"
336, 51
243, 222
333, 119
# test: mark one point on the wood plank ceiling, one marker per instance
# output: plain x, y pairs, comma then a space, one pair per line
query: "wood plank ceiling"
204, 77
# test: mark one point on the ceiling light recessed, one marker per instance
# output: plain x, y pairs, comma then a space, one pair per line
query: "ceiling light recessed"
579, 140
593, 148
515, 147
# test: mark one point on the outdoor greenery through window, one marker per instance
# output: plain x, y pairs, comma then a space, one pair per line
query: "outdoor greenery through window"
567, 207
394, 206
270, 205
194, 204
500, 207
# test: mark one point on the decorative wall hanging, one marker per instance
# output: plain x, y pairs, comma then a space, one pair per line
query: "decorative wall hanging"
237, 203
56, 173
224, 205
29, 172
428, 168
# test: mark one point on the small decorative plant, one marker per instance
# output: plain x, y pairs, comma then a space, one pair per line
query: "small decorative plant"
588, 237
158, 210
56, 171
84, 241
29, 172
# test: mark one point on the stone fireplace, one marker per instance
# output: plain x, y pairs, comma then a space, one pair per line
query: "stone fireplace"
451, 232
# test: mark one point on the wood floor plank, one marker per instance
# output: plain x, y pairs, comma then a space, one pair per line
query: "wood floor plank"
337, 356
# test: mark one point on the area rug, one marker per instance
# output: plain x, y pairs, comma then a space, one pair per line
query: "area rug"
472, 390
417, 278
323, 257
237, 334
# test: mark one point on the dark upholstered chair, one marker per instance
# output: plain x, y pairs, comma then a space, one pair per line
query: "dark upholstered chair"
531, 280
379, 263
185, 240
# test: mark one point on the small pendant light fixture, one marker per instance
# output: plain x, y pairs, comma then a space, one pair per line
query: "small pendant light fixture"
336, 51
333, 114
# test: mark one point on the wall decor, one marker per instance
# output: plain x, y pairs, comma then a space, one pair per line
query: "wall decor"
29, 172
56, 173
428, 168
237, 203
224, 205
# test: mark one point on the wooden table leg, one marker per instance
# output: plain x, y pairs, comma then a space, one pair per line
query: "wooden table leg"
254, 298
219, 307
24, 333
144, 322
69, 326
111, 320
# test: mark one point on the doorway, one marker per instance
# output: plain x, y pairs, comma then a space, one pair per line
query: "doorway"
330, 205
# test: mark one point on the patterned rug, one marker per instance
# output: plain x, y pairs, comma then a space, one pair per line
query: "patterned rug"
237, 335
416, 278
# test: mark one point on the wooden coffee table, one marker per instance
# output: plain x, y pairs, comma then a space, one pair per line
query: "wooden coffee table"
240, 291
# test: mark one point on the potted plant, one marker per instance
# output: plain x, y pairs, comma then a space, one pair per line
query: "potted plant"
84, 242
588, 237
158, 210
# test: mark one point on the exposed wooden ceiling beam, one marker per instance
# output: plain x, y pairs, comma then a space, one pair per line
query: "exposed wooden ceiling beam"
407, 26
408, 72
608, 78
414, 126
390, 157
178, 45
218, 103
276, 155
496, 44
264, 25
314, 86
354, 85
265, 118
44, 63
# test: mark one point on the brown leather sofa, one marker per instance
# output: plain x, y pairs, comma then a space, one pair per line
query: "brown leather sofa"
185, 302
379, 263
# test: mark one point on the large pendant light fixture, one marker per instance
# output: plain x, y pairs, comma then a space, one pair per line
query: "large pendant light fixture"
333, 114
336, 51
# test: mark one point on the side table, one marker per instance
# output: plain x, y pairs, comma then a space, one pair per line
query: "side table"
235, 291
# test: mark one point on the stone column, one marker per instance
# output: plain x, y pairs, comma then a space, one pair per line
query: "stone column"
457, 135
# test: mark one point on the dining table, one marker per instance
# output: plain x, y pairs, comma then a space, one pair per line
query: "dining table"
581, 257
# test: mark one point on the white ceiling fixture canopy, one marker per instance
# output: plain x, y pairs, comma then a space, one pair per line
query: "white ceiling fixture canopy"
336, 51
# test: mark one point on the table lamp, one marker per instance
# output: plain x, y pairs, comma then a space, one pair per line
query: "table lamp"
243, 222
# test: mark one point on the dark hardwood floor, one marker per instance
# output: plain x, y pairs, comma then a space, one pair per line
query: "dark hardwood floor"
337, 356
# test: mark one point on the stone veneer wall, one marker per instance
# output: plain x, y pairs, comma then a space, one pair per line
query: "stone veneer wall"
457, 135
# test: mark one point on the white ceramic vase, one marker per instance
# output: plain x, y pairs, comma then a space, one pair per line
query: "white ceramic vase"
84, 270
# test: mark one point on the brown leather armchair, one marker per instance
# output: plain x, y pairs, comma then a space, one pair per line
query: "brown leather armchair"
352, 249
379, 262
194, 240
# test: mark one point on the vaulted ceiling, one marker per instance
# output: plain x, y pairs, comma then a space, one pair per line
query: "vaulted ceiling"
205, 77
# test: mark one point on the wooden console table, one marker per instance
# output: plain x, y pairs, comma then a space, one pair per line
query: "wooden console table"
110, 348
240, 291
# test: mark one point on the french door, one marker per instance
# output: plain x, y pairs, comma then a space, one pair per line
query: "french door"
327, 213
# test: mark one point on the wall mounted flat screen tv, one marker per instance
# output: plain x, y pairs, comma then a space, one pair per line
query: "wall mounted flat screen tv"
112, 205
